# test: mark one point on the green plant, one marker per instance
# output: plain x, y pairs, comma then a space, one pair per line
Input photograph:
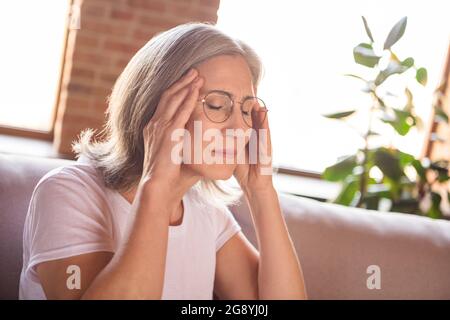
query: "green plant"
393, 187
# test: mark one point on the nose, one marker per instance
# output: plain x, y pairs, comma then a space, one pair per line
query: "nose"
238, 132
236, 121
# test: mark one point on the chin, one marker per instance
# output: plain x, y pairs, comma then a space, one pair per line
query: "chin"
215, 171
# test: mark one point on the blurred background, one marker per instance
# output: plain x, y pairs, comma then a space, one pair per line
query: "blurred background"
60, 59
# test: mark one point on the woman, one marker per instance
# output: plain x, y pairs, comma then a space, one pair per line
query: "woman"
131, 221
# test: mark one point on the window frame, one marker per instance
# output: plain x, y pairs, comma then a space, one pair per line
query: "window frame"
39, 134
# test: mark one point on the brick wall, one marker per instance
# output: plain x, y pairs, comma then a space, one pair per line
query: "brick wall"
110, 32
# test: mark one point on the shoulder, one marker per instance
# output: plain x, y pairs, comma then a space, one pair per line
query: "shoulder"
70, 199
68, 215
80, 175
77, 184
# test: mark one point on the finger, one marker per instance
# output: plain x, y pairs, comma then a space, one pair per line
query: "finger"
185, 111
172, 90
246, 155
184, 80
265, 142
259, 116
170, 106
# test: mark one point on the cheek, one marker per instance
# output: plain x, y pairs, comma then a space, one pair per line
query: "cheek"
197, 125
198, 119
190, 123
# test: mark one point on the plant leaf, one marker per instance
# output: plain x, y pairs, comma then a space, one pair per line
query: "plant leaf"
339, 115
340, 170
366, 26
435, 210
401, 123
405, 158
396, 33
381, 102
379, 189
363, 54
388, 163
419, 169
409, 100
355, 76
380, 78
372, 133
408, 62
422, 76
441, 167
443, 177
440, 115
392, 68
347, 194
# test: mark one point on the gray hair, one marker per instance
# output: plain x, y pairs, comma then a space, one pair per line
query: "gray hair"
136, 94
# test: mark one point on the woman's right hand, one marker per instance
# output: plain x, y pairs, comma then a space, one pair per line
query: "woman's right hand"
173, 111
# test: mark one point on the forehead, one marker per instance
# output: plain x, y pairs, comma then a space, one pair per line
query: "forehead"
228, 73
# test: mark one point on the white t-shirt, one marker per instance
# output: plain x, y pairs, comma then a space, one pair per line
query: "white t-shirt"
71, 212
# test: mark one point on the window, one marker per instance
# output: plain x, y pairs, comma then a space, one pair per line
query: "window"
32, 34
307, 47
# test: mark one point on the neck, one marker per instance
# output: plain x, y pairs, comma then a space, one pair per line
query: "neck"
187, 179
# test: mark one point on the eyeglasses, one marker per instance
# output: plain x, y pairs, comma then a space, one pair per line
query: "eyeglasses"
218, 107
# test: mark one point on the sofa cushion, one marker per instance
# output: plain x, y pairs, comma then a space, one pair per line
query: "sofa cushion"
19, 175
337, 244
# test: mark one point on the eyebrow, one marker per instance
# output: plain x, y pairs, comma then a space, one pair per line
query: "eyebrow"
228, 93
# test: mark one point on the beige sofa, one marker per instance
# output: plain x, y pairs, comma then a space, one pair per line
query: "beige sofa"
337, 246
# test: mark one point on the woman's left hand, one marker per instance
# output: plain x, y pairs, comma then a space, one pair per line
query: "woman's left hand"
257, 175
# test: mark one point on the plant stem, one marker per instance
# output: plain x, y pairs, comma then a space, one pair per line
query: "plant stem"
365, 174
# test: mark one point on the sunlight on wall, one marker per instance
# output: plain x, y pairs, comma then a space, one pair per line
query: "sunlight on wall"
32, 34
307, 46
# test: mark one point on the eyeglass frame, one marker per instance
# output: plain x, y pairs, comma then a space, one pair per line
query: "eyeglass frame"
203, 100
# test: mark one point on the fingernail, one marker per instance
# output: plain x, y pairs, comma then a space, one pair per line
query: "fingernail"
191, 72
197, 80
195, 85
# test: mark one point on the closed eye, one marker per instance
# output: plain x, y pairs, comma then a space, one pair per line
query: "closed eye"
211, 106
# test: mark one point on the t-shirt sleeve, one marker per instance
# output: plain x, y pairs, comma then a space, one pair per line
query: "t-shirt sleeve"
228, 226
65, 219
